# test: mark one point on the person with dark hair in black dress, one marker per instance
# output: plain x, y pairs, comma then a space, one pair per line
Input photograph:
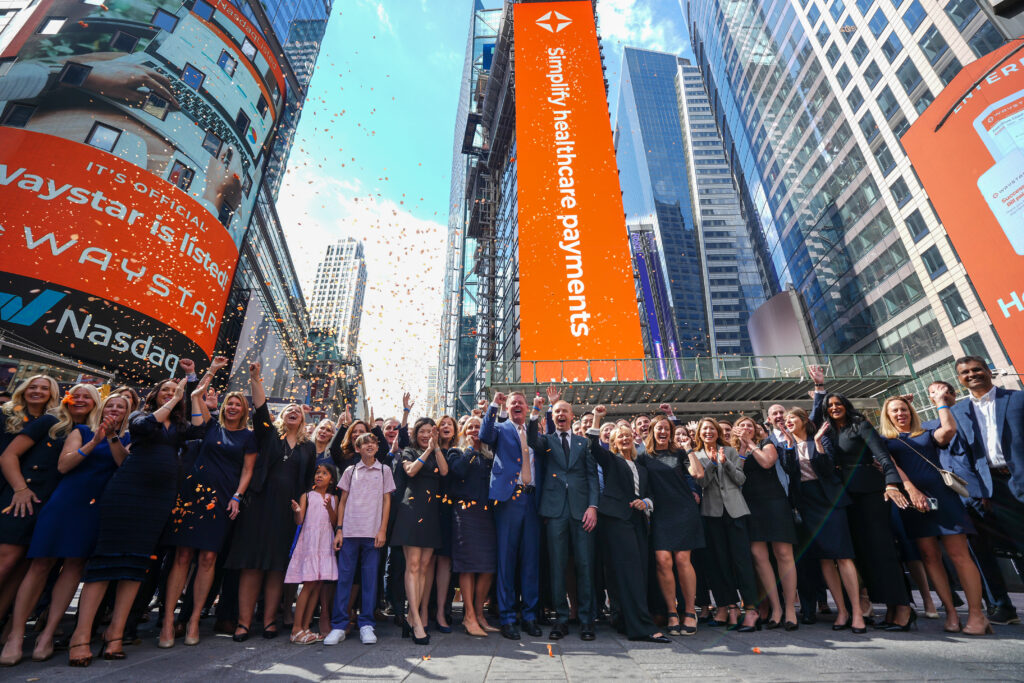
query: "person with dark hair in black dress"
858, 448
676, 525
133, 511
265, 529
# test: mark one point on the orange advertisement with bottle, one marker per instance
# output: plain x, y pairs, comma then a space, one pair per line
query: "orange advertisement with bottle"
968, 150
577, 296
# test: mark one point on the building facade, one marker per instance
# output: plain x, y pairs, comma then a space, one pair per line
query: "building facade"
338, 291
811, 98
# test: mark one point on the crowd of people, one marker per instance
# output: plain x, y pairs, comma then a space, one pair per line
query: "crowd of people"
210, 505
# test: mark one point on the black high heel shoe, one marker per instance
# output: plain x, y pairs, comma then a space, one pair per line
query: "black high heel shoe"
911, 622
113, 656
791, 626
688, 630
406, 630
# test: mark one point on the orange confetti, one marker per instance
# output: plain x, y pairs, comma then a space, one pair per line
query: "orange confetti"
757, 650
550, 653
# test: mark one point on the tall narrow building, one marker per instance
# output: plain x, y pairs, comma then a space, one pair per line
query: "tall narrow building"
812, 98
338, 291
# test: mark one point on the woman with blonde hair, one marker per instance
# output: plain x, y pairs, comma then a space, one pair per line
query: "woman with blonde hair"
69, 523
475, 544
770, 521
261, 544
622, 512
935, 511
209, 500
726, 515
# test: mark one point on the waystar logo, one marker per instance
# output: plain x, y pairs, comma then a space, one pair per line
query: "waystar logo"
553, 21
13, 309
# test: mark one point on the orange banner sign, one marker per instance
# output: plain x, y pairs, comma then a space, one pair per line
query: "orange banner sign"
577, 297
968, 150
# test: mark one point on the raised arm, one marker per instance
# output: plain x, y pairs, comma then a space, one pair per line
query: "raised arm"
488, 433
259, 394
943, 400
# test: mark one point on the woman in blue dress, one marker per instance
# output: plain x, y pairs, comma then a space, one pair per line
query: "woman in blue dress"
133, 511
68, 524
935, 511
208, 502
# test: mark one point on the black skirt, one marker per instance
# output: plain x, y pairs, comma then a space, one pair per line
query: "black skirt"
771, 520
824, 532
475, 541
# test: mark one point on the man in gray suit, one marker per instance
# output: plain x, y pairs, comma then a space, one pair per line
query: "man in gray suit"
568, 505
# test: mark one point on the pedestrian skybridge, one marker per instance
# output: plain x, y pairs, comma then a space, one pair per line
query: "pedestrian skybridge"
711, 385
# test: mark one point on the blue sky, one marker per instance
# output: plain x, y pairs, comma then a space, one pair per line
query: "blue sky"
373, 153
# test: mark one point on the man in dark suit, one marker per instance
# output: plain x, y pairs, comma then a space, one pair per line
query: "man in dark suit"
515, 489
989, 454
568, 506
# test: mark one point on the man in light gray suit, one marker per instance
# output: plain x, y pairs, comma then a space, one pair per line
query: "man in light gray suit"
568, 506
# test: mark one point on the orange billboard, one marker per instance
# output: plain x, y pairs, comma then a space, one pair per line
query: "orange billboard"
968, 151
576, 291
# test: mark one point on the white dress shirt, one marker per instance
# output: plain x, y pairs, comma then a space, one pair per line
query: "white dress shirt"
985, 408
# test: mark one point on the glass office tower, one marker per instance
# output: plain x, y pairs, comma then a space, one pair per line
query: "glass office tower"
812, 98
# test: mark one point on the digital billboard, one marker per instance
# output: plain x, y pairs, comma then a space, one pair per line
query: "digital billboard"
577, 297
968, 150
133, 135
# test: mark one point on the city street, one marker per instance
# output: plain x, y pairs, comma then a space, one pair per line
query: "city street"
813, 653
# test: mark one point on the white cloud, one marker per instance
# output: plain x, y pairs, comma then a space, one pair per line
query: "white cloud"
633, 23
385, 19
400, 329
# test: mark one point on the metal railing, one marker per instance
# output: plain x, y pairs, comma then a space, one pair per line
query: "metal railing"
700, 369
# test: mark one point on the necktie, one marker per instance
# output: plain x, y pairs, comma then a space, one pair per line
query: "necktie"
565, 443
525, 473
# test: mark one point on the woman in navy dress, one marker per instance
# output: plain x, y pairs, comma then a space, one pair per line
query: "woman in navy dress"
916, 454
440, 573
68, 523
474, 543
262, 540
208, 501
676, 525
33, 398
133, 511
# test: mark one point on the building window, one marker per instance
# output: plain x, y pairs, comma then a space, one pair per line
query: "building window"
986, 39
227, 62
855, 99
892, 47
953, 303
813, 14
212, 143
924, 100
872, 74
123, 42
74, 74
52, 25
887, 103
248, 49
832, 54
103, 137
973, 346
242, 123
859, 51
868, 126
961, 11
909, 76
884, 158
950, 72
261, 105
878, 22
933, 262
933, 45
915, 223
156, 106
836, 9
193, 76
181, 175
17, 115
203, 9
899, 126
914, 15
164, 20
900, 191
843, 76
865, 6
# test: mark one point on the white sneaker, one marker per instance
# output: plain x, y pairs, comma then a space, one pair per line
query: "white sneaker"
366, 635
335, 636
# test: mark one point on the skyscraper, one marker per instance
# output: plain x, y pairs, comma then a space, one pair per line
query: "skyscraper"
337, 303
697, 271
812, 98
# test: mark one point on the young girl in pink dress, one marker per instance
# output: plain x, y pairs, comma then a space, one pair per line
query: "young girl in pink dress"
313, 559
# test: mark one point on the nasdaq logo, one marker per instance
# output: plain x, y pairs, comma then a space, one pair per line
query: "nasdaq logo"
13, 309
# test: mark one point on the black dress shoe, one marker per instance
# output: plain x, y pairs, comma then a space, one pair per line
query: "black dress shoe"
1003, 616
651, 639
587, 632
558, 631
532, 628
808, 620
510, 631
791, 626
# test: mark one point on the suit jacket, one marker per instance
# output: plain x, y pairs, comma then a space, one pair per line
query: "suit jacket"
570, 479
822, 465
851, 449
618, 490
723, 485
503, 438
970, 457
